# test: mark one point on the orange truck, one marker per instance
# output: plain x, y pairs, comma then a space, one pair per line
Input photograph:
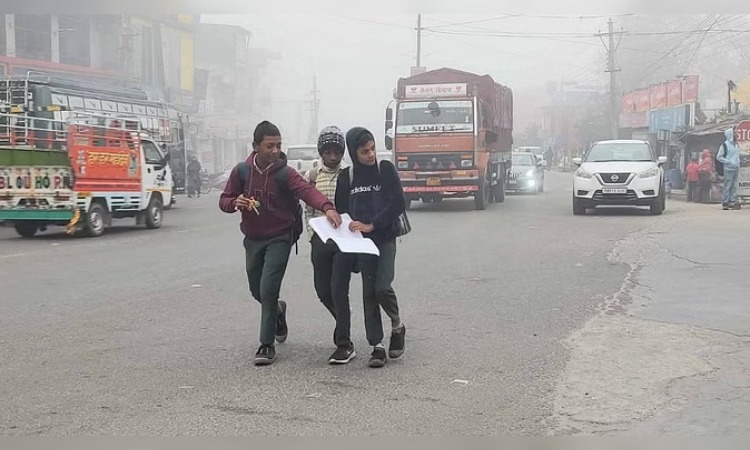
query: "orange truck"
80, 173
451, 135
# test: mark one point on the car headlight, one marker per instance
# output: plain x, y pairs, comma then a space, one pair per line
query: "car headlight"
529, 174
580, 173
651, 173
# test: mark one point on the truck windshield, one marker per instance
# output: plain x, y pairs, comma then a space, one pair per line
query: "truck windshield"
454, 116
302, 153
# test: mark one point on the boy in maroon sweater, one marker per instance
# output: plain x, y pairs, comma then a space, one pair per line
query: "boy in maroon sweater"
267, 222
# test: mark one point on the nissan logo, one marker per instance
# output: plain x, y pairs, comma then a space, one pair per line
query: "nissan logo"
615, 178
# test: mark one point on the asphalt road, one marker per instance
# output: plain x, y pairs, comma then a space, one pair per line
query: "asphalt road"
153, 332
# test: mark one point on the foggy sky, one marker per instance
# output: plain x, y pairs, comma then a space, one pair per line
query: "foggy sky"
358, 59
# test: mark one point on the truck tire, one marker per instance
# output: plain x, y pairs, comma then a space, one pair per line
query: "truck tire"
96, 220
499, 191
154, 213
26, 230
482, 196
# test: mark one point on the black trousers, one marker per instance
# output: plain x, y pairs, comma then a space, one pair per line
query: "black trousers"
692, 191
332, 274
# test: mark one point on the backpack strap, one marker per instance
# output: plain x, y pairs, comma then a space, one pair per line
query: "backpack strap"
243, 170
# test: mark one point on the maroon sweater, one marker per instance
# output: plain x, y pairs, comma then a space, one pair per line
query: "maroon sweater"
275, 217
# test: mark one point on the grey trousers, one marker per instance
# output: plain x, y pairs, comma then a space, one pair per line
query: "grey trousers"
378, 273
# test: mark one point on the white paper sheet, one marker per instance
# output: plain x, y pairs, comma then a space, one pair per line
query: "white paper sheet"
348, 241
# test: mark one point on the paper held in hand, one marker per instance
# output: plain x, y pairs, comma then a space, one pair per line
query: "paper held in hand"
348, 241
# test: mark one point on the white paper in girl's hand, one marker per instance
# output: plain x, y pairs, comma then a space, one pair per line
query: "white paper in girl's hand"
348, 241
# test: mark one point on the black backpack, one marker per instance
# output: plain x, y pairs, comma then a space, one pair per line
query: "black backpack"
282, 181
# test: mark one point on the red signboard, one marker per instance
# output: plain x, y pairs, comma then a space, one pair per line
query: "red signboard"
674, 93
659, 96
642, 100
628, 102
743, 128
690, 89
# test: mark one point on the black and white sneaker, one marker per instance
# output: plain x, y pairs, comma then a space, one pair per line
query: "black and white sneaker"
377, 358
265, 355
398, 340
282, 331
342, 355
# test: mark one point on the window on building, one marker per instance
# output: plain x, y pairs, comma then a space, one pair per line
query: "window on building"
33, 36
75, 39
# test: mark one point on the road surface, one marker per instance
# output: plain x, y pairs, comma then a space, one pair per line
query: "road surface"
154, 332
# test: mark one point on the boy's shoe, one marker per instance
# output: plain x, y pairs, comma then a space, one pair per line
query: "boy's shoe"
377, 358
282, 331
265, 355
398, 338
342, 355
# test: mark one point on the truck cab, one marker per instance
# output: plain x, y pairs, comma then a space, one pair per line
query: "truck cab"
81, 174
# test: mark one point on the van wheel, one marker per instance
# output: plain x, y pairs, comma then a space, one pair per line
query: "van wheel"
26, 230
154, 213
96, 220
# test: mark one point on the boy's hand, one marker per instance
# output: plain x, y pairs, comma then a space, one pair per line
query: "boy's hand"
241, 202
361, 227
334, 218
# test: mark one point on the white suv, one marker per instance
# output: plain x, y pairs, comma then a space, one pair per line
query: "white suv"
619, 173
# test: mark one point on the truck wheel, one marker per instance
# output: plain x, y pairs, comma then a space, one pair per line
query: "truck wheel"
96, 219
499, 191
482, 196
154, 213
26, 230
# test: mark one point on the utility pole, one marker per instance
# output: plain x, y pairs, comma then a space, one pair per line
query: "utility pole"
314, 112
419, 40
611, 48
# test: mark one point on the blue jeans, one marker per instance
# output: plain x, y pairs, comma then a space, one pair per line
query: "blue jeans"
731, 180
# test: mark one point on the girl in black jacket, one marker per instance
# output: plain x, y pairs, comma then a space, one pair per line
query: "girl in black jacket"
374, 199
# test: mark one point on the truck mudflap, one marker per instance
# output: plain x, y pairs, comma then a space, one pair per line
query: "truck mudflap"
70, 228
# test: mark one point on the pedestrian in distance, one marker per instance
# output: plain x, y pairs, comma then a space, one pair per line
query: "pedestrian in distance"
371, 193
729, 156
692, 178
332, 269
266, 192
193, 170
706, 175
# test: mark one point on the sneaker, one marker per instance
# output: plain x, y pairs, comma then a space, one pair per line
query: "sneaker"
342, 355
396, 347
724, 206
265, 355
377, 358
282, 331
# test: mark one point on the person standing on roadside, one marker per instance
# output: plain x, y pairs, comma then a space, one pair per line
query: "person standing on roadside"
729, 156
266, 191
706, 175
332, 268
371, 193
692, 178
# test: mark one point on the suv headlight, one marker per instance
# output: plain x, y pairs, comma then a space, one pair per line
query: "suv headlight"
650, 173
580, 173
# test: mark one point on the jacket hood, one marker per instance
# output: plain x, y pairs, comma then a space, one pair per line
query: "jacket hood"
729, 134
352, 136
